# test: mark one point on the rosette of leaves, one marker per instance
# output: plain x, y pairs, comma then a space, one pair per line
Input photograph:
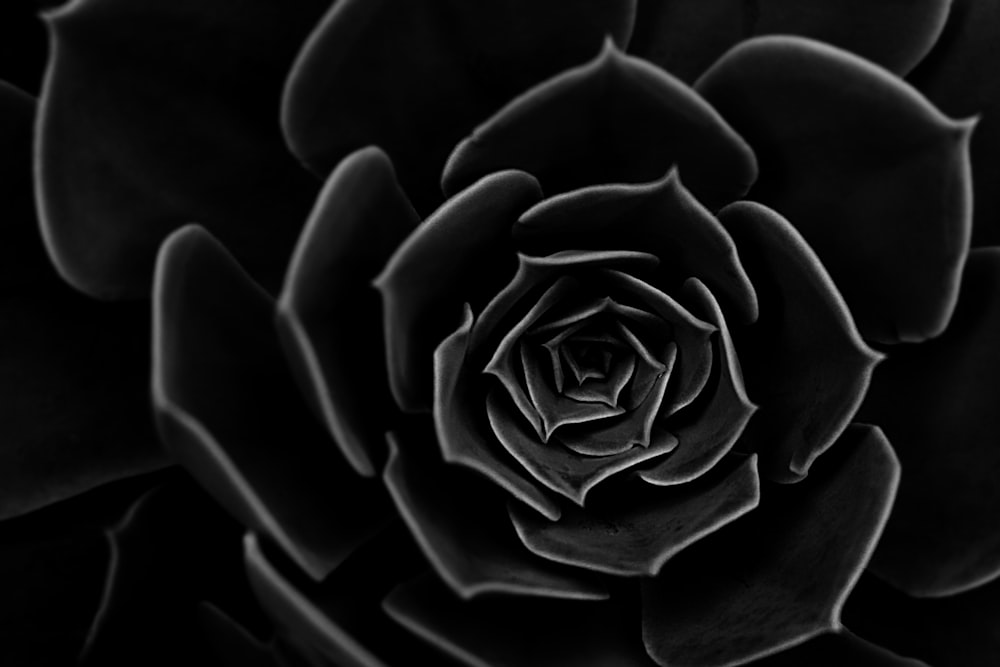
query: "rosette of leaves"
574, 358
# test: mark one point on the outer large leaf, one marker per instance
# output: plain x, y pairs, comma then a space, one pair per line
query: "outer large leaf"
173, 548
780, 575
937, 400
328, 312
646, 120
686, 36
513, 632
161, 113
228, 409
804, 363
415, 76
961, 630
959, 77
874, 177
340, 621
74, 372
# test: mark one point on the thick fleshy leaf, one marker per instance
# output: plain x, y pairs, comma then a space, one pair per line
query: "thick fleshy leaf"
340, 621
558, 468
328, 314
874, 176
228, 410
660, 218
431, 70
685, 37
780, 575
703, 442
962, 629
635, 533
646, 120
119, 169
75, 371
515, 632
937, 403
837, 649
464, 531
959, 77
172, 548
804, 362
462, 253
463, 432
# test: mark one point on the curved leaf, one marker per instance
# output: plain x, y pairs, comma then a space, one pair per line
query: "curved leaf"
958, 77
462, 253
75, 372
463, 433
159, 114
804, 362
328, 314
465, 533
694, 351
685, 37
961, 629
646, 120
778, 576
836, 649
661, 218
340, 621
173, 548
229, 411
505, 363
703, 442
559, 409
414, 76
874, 177
509, 305
562, 470
638, 531
937, 400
